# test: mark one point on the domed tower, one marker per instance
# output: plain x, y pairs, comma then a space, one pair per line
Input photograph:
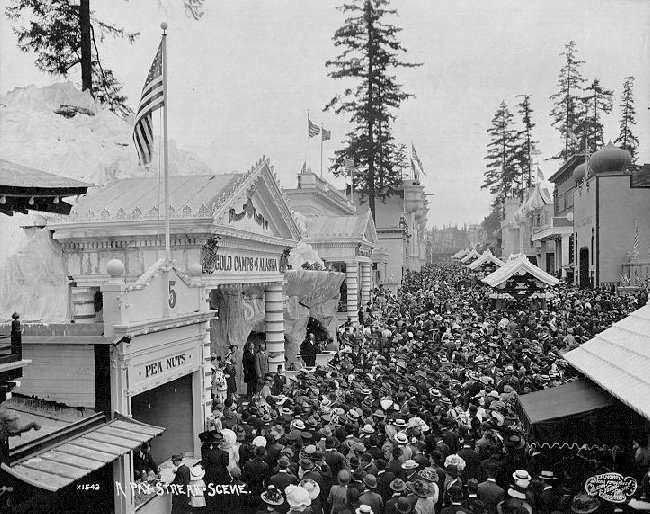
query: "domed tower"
609, 159
579, 172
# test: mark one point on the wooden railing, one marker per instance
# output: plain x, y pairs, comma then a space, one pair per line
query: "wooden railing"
11, 345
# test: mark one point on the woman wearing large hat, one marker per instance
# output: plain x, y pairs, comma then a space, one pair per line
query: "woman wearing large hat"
273, 498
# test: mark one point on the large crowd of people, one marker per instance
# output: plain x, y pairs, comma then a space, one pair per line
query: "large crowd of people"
416, 413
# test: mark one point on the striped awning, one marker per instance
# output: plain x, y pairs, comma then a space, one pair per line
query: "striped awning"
60, 465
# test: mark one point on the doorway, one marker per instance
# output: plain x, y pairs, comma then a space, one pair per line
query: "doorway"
584, 267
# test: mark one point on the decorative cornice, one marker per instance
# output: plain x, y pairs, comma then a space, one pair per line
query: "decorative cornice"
136, 214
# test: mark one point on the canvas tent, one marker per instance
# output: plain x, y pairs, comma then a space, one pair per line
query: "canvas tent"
577, 412
470, 257
485, 260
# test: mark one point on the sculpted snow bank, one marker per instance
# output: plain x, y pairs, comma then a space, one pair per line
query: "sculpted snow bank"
60, 130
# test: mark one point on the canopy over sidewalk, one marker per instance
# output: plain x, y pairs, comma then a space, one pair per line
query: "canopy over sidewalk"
618, 360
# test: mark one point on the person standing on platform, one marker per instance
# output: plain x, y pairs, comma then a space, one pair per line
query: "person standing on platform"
261, 361
309, 350
250, 370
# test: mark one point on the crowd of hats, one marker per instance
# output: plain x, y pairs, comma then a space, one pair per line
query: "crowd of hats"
434, 359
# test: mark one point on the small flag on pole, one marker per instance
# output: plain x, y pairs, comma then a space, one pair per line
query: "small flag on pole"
416, 173
348, 164
150, 100
314, 130
304, 168
540, 175
635, 251
417, 159
327, 135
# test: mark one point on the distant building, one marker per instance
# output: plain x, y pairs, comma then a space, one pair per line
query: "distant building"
609, 202
446, 241
401, 221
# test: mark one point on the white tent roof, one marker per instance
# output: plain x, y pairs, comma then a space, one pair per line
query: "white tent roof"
471, 255
486, 258
459, 254
618, 360
519, 265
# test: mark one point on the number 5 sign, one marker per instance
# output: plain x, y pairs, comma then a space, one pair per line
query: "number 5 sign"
172, 294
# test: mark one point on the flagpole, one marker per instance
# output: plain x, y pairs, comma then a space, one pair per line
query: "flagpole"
168, 255
308, 142
321, 150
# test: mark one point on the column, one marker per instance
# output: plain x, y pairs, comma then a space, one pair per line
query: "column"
274, 321
83, 304
352, 284
366, 283
564, 245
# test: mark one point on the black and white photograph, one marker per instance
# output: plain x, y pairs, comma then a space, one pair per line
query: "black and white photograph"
324, 256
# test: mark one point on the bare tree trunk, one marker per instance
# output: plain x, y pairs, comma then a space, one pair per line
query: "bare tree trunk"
86, 52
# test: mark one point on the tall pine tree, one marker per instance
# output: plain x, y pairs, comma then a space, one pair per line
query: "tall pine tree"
525, 145
501, 175
566, 112
626, 138
64, 37
369, 56
596, 102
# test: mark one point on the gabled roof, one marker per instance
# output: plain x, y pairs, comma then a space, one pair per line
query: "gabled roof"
358, 226
471, 255
520, 265
144, 194
191, 196
618, 360
487, 257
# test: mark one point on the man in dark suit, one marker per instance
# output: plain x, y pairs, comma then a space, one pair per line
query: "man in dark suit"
309, 350
215, 462
180, 499
283, 477
143, 461
550, 496
489, 492
255, 473
472, 461
384, 478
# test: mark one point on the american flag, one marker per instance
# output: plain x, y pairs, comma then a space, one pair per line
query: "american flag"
327, 135
416, 173
151, 99
636, 240
417, 159
314, 130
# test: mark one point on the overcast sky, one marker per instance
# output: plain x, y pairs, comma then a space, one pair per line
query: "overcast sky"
242, 79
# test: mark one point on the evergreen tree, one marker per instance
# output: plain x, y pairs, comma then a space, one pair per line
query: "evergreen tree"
369, 56
595, 102
525, 145
626, 139
64, 36
501, 176
566, 112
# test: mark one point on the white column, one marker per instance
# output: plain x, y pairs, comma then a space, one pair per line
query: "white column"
564, 244
83, 304
274, 318
366, 282
352, 285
